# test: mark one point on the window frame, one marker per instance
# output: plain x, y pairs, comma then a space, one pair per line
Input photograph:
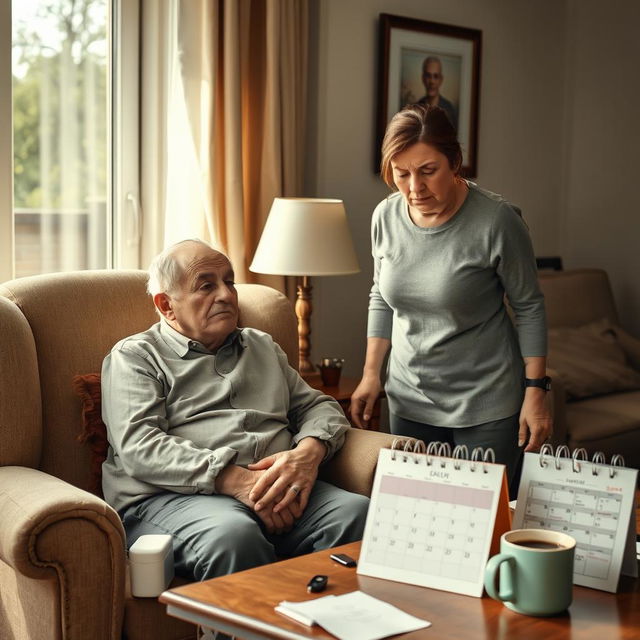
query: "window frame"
6, 146
124, 139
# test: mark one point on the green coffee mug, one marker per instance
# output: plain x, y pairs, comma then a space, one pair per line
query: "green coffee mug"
535, 568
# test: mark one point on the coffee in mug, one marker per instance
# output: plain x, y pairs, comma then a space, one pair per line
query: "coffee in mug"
538, 544
535, 571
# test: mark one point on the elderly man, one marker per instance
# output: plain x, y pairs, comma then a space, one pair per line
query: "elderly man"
432, 78
213, 437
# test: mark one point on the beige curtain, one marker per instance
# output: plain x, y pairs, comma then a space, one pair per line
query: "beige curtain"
238, 68
173, 186
154, 89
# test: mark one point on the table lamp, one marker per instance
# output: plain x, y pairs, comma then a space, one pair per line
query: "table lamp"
305, 237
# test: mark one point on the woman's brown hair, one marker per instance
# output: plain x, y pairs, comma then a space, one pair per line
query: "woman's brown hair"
419, 123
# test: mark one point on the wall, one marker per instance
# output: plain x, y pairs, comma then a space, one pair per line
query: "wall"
520, 133
602, 223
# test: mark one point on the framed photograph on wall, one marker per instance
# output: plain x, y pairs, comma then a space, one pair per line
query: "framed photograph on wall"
436, 63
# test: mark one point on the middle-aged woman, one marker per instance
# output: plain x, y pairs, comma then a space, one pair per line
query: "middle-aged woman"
445, 253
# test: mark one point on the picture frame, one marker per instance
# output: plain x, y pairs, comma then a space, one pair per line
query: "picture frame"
420, 60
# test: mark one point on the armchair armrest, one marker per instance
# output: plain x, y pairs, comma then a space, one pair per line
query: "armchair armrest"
353, 467
51, 529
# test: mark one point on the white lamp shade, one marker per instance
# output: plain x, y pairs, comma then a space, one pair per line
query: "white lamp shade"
306, 237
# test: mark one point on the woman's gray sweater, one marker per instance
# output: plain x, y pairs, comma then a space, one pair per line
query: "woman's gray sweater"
456, 359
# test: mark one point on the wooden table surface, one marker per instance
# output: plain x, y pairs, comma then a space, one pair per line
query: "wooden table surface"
246, 600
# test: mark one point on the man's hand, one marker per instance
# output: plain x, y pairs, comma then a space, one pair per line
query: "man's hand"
288, 477
280, 522
535, 419
238, 482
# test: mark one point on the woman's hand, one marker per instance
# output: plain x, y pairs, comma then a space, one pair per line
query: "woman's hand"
364, 399
535, 419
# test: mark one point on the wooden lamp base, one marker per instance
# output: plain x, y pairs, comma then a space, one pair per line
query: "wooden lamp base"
303, 312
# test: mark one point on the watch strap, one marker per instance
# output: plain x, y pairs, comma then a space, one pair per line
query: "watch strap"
541, 383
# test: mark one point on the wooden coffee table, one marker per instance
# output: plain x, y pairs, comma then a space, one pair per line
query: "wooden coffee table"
242, 604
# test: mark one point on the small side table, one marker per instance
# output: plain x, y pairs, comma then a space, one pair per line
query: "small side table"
342, 393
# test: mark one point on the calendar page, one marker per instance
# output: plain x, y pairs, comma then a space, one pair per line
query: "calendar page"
432, 521
594, 508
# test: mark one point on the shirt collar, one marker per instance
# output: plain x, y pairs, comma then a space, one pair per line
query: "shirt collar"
182, 344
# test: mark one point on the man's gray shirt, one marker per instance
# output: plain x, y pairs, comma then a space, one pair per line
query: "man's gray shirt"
438, 295
176, 413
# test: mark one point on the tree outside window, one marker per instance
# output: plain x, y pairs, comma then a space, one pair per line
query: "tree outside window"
60, 120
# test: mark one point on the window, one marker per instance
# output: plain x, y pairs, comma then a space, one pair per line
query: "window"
70, 69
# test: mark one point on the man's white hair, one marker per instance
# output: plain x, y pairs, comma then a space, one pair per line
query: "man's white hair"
165, 271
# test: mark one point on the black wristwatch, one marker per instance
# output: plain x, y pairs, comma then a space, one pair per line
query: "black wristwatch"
542, 383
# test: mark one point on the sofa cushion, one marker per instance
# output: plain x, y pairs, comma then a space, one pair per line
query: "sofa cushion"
610, 424
94, 431
630, 346
605, 416
590, 360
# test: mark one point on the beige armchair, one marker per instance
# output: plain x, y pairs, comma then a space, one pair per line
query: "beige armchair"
63, 570
596, 379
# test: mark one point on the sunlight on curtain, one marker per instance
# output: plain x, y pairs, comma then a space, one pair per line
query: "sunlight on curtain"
223, 98
244, 65
174, 176
185, 199
60, 116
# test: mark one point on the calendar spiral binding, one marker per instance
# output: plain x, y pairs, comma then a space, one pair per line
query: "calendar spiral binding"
598, 460
416, 451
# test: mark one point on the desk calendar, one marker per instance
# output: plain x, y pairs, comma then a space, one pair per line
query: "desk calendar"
433, 519
589, 500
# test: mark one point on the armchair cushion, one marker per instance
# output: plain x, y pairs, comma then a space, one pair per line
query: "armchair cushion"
590, 360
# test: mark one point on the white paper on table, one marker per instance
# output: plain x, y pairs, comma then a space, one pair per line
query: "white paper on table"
354, 616
304, 612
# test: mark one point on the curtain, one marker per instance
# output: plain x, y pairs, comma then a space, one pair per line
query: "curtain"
233, 125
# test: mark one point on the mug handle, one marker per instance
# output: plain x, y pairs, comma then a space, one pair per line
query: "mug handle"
492, 571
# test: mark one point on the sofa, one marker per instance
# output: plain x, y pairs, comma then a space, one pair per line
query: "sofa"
595, 366
63, 565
